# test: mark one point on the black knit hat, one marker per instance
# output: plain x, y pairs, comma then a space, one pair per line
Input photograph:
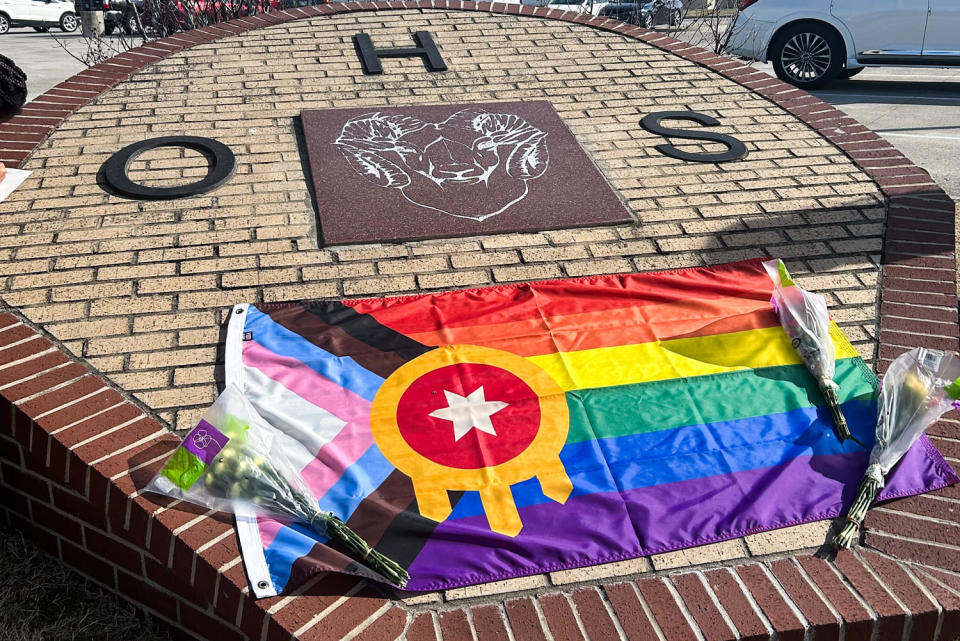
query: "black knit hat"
13, 86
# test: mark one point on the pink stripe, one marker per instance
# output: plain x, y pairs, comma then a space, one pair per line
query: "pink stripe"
344, 449
328, 467
306, 383
336, 456
268, 530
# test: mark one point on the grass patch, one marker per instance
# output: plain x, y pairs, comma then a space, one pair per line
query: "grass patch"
41, 599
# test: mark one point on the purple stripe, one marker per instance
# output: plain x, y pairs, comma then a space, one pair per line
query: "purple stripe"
596, 528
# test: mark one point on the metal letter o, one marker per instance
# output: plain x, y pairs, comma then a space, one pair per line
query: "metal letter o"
221, 158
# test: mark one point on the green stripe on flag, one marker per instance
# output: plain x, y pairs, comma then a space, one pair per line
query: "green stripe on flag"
664, 405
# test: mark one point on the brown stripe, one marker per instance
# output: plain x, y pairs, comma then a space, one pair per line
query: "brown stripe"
334, 339
322, 558
388, 519
375, 512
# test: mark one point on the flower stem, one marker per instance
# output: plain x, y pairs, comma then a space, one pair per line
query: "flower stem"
839, 420
333, 527
866, 493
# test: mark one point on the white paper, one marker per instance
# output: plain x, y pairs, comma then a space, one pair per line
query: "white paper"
11, 181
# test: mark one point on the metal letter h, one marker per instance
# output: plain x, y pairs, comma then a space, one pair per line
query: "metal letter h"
426, 49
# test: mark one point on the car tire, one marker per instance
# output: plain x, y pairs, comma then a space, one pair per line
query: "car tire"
69, 22
850, 73
130, 25
675, 18
41, 29
807, 55
4, 23
108, 29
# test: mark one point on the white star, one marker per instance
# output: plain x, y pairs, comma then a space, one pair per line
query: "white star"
468, 412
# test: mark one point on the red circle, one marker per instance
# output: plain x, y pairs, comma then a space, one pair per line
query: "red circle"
432, 437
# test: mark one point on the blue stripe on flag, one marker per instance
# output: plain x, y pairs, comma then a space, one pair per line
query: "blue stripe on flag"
357, 482
342, 370
343, 498
658, 458
288, 545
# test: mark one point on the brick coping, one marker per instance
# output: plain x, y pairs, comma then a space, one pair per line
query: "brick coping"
902, 584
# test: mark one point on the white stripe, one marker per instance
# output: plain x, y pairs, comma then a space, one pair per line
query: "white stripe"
310, 425
248, 532
254, 561
894, 97
233, 356
894, 133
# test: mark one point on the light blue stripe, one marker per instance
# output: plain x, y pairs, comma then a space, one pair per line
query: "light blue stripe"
288, 545
343, 498
342, 370
358, 482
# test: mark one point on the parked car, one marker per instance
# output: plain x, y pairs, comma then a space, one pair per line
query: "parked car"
39, 14
111, 16
813, 42
645, 13
668, 12
120, 13
631, 12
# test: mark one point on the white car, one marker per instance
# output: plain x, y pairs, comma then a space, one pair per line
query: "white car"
39, 14
810, 42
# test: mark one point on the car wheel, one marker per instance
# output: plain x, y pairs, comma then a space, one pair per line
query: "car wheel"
41, 29
130, 25
4, 23
850, 73
675, 18
108, 29
69, 22
807, 55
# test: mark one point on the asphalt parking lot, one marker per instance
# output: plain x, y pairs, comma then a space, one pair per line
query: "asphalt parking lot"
916, 109
46, 57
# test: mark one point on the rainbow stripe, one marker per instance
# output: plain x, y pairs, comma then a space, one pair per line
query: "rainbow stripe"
692, 420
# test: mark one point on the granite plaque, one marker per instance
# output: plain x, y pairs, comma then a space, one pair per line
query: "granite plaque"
388, 174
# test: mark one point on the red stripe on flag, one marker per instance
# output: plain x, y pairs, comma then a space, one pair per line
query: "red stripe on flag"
418, 315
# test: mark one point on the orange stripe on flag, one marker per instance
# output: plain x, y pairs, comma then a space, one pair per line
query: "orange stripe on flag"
609, 328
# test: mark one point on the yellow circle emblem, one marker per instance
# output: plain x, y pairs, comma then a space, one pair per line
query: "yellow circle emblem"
463, 417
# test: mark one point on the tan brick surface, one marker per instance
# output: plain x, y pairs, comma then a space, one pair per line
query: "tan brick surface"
712, 553
788, 538
140, 289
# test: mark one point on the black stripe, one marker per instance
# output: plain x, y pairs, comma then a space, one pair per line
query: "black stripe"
334, 339
408, 533
364, 327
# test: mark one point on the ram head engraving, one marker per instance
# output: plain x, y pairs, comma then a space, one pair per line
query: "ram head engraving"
472, 165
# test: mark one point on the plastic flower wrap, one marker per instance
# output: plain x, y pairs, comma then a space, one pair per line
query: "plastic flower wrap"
918, 388
806, 321
234, 461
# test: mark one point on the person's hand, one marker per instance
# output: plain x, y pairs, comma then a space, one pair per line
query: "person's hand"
3, 171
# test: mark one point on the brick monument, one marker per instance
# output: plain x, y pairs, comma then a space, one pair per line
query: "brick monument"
111, 333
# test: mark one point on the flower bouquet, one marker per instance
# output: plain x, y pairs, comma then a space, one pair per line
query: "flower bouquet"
804, 317
234, 461
918, 388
